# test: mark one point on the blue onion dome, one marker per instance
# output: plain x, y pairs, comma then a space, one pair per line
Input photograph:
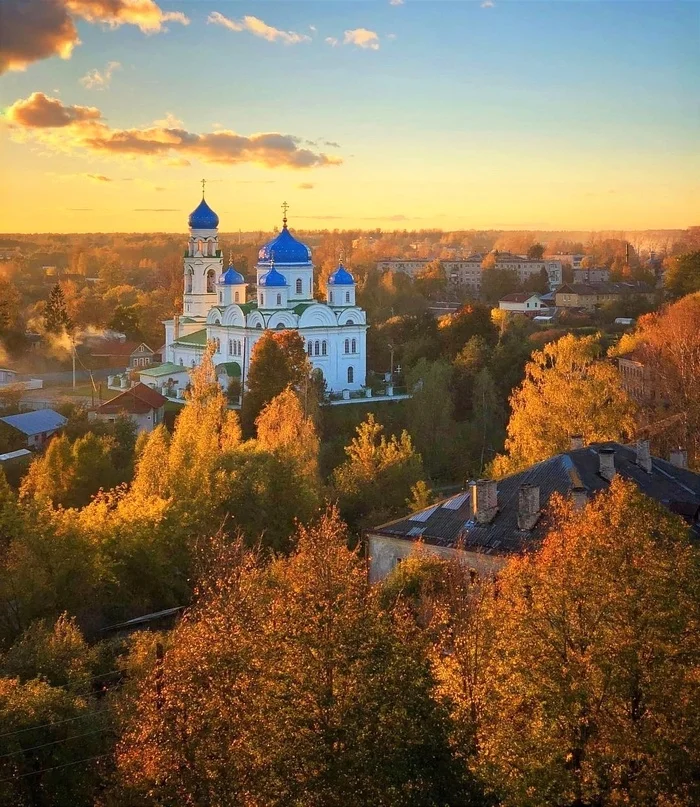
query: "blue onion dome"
272, 278
231, 277
285, 249
203, 217
341, 277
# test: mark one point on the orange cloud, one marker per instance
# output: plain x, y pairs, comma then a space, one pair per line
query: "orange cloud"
40, 111
258, 28
52, 123
38, 29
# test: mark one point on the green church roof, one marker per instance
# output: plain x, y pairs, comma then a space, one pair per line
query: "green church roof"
168, 368
198, 338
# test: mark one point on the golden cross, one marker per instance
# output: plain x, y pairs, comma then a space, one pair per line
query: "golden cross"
285, 208
204, 182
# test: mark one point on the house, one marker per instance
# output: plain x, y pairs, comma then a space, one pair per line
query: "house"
7, 377
636, 377
594, 274
11, 378
590, 295
522, 303
37, 426
144, 405
493, 521
166, 376
122, 353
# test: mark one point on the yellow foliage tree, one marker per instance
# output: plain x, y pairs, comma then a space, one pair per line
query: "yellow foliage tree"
567, 390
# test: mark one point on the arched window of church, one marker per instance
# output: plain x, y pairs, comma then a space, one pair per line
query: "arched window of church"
317, 347
324, 348
221, 296
188, 281
310, 348
258, 325
351, 375
347, 296
354, 346
261, 299
280, 326
330, 298
347, 345
350, 322
235, 297
211, 280
279, 299
192, 363
298, 285
230, 347
182, 362
199, 245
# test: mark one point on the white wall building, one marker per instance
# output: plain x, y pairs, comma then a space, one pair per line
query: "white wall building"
522, 303
216, 307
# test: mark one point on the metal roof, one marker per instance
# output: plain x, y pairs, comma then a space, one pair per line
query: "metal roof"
29, 423
450, 523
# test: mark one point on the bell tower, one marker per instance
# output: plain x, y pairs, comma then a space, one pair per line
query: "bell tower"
203, 262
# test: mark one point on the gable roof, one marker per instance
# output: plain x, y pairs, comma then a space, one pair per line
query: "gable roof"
519, 297
30, 423
449, 523
197, 338
139, 400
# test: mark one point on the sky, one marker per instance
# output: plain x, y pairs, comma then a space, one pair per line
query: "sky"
399, 114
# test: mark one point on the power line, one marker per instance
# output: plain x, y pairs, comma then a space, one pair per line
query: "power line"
53, 742
54, 723
54, 768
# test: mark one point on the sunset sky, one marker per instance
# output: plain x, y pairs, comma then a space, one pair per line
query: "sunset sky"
457, 115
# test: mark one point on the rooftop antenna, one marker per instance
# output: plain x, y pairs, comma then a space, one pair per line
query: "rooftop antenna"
285, 208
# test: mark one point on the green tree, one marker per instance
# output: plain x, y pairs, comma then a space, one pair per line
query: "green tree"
682, 275
455, 330
431, 281
567, 390
278, 360
535, 252
56, 319
429, 418
538, 283
488, 421
496, 283
592, 696
290, 685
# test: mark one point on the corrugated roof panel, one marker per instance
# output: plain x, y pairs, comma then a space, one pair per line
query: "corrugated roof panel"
29, 423
424, 515
456, 502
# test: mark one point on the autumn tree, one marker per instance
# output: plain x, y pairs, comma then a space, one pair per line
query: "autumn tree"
592, 691
288, 684
431, 281
669, 343
56, 319
567, 390
373, 484
497, 282
682, 275
278, 360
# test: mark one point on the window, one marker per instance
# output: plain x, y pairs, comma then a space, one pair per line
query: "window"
230, 347
354, 345
182, 363
261, 299
324, 348
330, 298
310, 348
211, 279
188, 281
235, 297
347, 296
279, 299
199, 245
298, 286
351, 375
221, 296
350, 322
347, 345
316, 348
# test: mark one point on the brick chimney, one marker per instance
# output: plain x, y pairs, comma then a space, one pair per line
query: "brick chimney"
528, 506
579, 495
679, 458
576, 441
606, 459
644, 455
484, 499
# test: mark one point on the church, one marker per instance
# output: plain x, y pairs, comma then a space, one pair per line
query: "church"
217, 307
